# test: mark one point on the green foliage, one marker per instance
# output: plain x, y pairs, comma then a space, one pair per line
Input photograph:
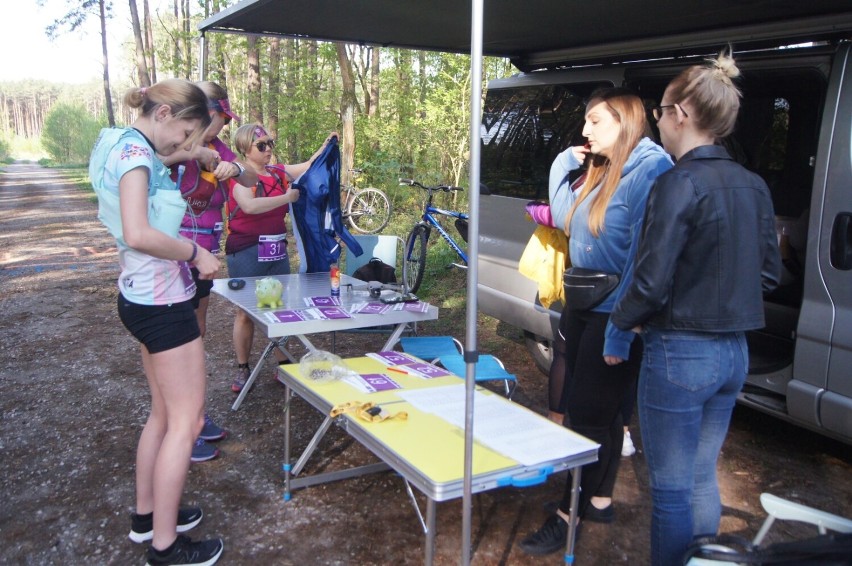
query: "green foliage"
69, 133
4, 149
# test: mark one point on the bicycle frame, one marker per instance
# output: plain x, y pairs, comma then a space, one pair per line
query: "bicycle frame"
428, 219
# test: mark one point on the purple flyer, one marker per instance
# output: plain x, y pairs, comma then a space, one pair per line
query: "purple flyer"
426, 370
379, 382
333, 312
287, 316
391, 358
417, 306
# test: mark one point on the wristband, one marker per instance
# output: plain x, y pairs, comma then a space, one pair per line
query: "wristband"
194, 252
240, 168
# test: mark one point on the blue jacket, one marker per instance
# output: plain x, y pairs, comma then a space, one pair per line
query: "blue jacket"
709, 249
614, 250
317, 213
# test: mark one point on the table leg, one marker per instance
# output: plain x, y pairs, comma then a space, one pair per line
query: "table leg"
394, 337
575, 497
287, 399
431, 521
273, 343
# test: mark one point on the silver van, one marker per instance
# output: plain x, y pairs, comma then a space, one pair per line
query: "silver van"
794, 129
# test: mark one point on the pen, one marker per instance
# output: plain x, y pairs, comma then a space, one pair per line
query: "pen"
397, 370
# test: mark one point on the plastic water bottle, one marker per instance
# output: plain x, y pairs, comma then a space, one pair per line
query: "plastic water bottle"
334, 275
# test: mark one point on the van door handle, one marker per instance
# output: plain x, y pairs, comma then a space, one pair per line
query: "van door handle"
841, 242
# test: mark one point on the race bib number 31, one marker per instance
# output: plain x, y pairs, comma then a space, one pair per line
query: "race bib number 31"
272, 248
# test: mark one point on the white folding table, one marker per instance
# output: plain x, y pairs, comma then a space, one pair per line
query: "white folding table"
297, 287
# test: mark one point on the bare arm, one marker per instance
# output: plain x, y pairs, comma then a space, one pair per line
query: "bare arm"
251, 204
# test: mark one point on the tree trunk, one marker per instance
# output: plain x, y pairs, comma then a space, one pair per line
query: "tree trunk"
374, 82
347, 112
185, 36
107, 95
254, 95
274, 85
149, 42
141, 62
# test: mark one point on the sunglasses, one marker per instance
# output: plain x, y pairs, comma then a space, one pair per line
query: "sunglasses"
225, 118
262, 145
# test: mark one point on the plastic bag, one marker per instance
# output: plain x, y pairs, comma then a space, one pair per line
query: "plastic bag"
319, 365
544, 260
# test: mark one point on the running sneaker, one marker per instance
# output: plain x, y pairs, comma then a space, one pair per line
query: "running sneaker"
211, 431
203, 451
184, 551
627, 447
142, 526
240, 380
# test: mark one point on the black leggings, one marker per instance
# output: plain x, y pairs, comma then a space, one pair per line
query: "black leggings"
593, 395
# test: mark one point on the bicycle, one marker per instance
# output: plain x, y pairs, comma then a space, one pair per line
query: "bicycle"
366, 210
414, 263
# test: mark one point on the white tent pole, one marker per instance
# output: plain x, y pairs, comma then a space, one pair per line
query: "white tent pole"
471, 349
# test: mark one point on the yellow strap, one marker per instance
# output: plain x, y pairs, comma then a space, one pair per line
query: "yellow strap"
368, 412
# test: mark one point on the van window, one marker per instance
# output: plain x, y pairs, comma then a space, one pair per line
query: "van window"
523, 130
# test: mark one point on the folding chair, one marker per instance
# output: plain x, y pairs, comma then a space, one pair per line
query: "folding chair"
447, 351
776, 508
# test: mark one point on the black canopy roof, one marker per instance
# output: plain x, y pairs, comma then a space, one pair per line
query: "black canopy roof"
545, 33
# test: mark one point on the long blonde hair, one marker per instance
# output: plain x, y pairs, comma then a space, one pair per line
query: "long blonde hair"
629, 112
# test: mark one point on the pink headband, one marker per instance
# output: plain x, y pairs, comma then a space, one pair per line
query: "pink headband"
222, 105
259, 132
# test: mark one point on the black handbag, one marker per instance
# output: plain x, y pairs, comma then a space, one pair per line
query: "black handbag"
587, 288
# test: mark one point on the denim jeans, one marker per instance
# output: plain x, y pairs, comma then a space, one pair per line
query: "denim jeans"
688, 385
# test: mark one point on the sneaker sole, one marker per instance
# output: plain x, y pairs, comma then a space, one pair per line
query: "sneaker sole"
208, 562
145, 537
197, 459
213, 438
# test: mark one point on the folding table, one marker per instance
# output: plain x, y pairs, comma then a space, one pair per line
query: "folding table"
426, 449
298, 287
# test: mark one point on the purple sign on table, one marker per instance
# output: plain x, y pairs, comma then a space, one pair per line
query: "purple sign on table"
391, 358
323, 301
427, 370
333, 312
380, 382
288, 316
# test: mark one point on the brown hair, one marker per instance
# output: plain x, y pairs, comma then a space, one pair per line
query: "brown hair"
630, 113
214, 91
714, 98
187, 101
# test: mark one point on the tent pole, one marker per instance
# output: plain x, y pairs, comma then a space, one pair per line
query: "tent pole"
471, 345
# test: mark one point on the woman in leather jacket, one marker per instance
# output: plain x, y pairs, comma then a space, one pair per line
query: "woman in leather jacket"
708, 253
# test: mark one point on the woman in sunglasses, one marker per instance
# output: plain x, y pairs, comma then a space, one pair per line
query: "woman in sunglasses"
206, 166
257, 236
708, 253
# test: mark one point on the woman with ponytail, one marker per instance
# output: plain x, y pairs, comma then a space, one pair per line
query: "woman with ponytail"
707, 255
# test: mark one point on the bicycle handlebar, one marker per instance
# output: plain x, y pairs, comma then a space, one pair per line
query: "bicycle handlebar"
413, 183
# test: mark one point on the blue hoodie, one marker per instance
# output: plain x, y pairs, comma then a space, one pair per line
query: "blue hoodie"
614, 250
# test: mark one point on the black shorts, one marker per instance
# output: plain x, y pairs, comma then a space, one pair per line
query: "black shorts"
159, 327
202, 287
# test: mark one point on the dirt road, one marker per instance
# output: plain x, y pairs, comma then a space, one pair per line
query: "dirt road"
73, 400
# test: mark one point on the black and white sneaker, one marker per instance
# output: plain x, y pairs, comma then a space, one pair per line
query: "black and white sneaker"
142, 526
186, 552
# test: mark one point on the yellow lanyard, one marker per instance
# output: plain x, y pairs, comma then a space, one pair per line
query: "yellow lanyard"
368, 412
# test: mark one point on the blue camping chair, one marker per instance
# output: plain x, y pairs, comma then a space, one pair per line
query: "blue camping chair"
447, 351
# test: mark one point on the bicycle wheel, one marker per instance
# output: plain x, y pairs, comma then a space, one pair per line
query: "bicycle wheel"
414, 264
369, 211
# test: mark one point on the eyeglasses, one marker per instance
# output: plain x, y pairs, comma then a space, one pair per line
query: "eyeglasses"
657, 111
262, 145
225, 118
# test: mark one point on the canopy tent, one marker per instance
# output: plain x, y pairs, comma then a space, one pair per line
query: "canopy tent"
542, 33
534, 35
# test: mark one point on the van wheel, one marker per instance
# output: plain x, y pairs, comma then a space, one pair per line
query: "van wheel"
541, 351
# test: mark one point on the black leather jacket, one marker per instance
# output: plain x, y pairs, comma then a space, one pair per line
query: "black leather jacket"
708, 250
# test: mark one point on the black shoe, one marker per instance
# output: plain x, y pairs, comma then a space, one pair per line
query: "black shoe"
184, 551
142, 527
552, 536
605, 515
